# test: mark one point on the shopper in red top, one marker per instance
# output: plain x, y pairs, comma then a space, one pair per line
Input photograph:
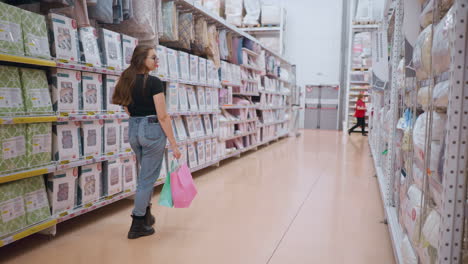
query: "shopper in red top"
360, 114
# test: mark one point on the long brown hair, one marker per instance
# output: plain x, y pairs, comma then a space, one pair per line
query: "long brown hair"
123, 89
360, 96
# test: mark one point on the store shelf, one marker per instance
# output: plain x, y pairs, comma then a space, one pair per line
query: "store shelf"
211, 112
27, 119
237, 136
230, 155
274, 93
250, 81
235, 122
271, 75
27, 232
358, 82
238, 106
262, 29
203, 166
246, 94
250, 67
87, 68
265, 108
90, 116
193, 140
27, 60
13, 176
250, 52
273, 123
188, 82
227, 83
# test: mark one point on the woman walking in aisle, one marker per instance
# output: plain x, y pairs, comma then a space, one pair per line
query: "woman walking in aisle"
360, 114
142, 96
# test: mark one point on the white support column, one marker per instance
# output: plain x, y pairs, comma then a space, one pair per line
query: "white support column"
456, 153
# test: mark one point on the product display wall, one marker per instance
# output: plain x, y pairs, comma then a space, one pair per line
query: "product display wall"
59, 127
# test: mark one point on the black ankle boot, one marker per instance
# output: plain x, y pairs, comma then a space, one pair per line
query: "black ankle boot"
139, 228
149, 218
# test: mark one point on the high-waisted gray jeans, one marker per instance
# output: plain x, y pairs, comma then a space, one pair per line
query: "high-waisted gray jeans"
148, 141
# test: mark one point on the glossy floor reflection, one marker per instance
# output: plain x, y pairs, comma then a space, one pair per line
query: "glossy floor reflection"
311, 199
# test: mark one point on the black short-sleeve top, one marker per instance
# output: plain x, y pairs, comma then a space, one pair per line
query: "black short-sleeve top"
142, 97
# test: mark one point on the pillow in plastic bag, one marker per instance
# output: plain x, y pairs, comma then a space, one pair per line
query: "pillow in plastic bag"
423, 97
407, 252
412, 214
426, 17
441, 43
201, 36
170, 22
234, 12
440, 94
419, 132
418, 175
430, 236
252, 10
422, 54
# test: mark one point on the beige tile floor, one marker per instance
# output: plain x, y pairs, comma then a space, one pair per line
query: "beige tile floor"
311, 199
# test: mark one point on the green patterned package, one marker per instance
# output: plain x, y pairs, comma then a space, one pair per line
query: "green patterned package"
13, 144
11, 38
36, 42
11, 98
39, 144
36, 91
35, 200
12, 212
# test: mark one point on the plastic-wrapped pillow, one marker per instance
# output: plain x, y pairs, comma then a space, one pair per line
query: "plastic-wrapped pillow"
407, 252
412, 213
252, 10
424, 97
430, 233
441, 43
426, 16
422, 54
440, 94
234, 12
419, 132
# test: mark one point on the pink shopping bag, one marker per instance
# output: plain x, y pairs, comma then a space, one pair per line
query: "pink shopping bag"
182, 187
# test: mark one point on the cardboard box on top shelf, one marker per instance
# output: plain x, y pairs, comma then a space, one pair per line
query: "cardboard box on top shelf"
35, 199
35, 36
89, 184
13, 144
11, 37
11, 98
12, 208
65, 90
66, 141
89, 46
61, 189
92, 133
39, 144
91, 92
64, 37
36, 92
111, 47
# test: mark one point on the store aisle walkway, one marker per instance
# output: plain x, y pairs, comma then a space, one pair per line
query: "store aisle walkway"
302, 200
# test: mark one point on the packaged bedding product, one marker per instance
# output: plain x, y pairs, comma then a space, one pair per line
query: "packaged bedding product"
190, 126
207, 123
128, 45
192, 98
35, 200
412, 213
215, 124
129, 173
192, 155
194, 68
179, 125
233, 11
64, 37
89, 184
35, 40
163, 69
11, 38
202, 70
214, 149
111, 137
199, 129
111, 48
172, 94
184, 66
214, 6
407, 252
173, 63
439, 121
208, 99
208, 149
271, 14
424, 97
252, 10
11, 98
66, 141
13, 213
13, 144
201, 152
170, 22
426, 17
430, 237
112, 180
65, 90
183, 102
443, 36
61, 189
124, 136
201, 98
36, 92
39, 144
422, 54
186, 31
92, 132
89, 46
109, 87
440, 94
91, 92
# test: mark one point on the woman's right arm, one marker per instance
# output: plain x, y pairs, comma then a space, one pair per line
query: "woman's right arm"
165, 122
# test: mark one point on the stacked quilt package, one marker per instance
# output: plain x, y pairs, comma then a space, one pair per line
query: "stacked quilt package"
11, 99
91, 92
11, 38
36, 42
112, 137
173, 63
129, 173
184, 66
66, 141
13, 213
112, 177
35, 91
172, 94
61, 188
39, 144
13, 144
89, 184
92, 133
35, 200
64, 37
124, 136
65, 90
110, 83
128, 45
163, 70
89, 46
111, 47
